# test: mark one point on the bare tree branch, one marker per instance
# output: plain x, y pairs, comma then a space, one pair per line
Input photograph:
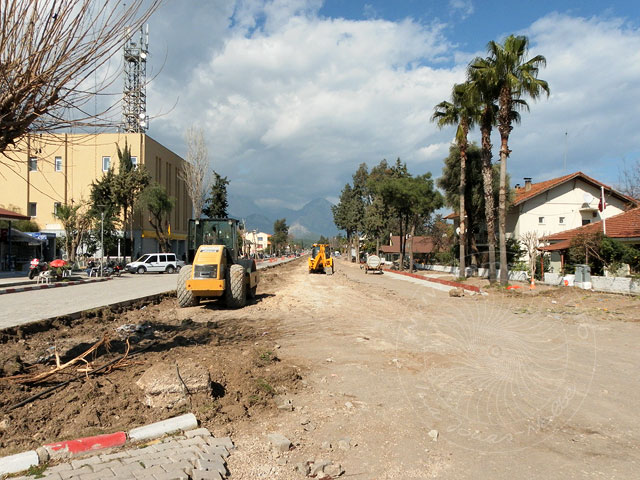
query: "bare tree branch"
48, 50
629, 178
196, 169
531, 242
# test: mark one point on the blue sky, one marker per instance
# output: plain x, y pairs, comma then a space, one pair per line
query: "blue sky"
283, 86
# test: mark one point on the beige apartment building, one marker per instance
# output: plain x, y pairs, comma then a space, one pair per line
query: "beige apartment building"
46, 170
256, 242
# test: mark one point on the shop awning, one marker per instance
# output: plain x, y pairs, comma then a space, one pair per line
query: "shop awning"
9, 215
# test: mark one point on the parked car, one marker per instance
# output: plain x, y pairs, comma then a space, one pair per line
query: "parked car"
155, 262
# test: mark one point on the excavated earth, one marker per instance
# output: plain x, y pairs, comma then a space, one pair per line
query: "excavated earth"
384, 376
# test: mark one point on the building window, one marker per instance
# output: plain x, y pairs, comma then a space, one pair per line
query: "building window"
58, 164
33, 164
33, 209
586, 221
56, 206
134, 162
541, 220
106, 164
561, 220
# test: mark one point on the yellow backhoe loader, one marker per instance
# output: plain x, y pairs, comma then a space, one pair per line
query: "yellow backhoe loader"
320, 260
216, 271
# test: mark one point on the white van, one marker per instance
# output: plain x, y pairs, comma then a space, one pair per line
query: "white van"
155, 262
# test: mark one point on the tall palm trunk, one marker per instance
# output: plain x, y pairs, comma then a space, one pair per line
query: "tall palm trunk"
504, 129
463, 214
487, 180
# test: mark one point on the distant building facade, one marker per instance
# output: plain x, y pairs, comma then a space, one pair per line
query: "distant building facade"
256, 242
45, 171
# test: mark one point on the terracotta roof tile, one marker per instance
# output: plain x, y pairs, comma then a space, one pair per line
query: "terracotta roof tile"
420, 245
9, 215
523, 195
623, 225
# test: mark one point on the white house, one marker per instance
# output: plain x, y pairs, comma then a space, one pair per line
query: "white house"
562, 203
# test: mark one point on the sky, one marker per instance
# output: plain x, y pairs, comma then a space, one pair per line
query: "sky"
293, 95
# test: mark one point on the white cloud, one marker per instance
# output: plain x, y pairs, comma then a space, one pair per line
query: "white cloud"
592, 69
292, 102
313, 99
464, 8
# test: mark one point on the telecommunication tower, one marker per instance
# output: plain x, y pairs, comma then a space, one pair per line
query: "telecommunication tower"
134, 108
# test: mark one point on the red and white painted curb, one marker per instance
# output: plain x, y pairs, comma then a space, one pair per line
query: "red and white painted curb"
60, 450
52, 285
87, 444
471, 288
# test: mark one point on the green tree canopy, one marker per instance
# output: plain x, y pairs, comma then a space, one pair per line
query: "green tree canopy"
280, 234
216, 204
159, 205
127, 188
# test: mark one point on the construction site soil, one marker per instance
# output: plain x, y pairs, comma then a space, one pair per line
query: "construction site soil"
384, 375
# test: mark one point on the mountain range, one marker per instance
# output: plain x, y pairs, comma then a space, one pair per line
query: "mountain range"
309, 222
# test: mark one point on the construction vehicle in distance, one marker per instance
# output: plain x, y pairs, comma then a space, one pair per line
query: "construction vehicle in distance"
214, 269
320, 260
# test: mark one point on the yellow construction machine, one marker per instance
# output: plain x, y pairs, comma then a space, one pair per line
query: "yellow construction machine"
320, 260
216, 271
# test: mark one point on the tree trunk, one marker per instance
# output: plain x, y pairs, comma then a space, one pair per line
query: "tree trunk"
487, 180
505, 129
502, 213
378, 246
473, 249
402, 243
461, 192
413, 231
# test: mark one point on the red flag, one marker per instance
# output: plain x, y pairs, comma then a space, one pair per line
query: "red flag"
602, 204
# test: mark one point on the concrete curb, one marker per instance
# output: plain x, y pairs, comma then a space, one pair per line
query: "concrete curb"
61, 450
471, 288
165, 427
52, 285
18, 462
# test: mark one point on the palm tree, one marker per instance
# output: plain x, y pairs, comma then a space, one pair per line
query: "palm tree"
506, 73
461, 111
486, 96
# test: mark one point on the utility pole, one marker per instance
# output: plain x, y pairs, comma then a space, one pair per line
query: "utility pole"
101, 240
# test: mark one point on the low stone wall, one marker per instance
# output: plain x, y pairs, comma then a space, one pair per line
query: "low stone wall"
601, 284
516, 275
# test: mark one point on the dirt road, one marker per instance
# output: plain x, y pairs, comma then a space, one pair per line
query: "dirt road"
391, 379
516, 386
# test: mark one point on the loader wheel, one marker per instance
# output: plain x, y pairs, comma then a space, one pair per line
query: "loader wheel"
252, 292
329, 271
235, 293
186, 298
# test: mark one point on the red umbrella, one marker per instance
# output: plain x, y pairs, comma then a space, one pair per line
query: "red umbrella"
57, 263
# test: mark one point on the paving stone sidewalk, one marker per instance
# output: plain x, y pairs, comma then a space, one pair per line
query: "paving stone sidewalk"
195, 455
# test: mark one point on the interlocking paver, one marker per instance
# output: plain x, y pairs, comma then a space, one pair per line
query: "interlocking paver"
126, 471
76, 472
109, 464
204, 475
60, 468
195, 455
98, 475
198, 432
85, 461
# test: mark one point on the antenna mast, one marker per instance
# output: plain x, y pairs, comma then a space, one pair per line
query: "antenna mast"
134, 108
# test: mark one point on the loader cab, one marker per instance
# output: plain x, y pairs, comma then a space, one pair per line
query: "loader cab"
213, 231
